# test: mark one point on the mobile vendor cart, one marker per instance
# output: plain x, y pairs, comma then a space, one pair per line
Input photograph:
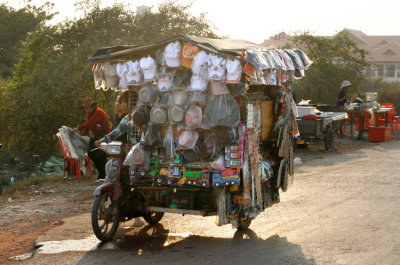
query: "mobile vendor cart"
210, 132
318, 127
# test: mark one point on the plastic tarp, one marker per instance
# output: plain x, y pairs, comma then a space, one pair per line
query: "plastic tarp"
77, 144
328, 117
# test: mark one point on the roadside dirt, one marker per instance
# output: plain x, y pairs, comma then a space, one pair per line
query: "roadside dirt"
43, 207
38, 209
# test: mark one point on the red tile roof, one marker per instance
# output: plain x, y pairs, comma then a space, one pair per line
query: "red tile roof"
375, 45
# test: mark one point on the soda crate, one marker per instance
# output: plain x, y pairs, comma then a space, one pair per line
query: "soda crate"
379, 134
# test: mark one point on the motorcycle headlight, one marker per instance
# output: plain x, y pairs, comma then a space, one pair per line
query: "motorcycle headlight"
113, 148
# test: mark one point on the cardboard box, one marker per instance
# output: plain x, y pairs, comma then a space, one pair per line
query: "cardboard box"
379, 134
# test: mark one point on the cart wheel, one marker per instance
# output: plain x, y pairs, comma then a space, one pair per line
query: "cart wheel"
329, 140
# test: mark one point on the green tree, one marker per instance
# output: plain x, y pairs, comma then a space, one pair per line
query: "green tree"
53, 74
335, 59
388, 92
170, 20
15, 25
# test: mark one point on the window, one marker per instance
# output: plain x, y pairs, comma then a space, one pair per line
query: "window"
390, 70
383, 42
380, 69
371, 72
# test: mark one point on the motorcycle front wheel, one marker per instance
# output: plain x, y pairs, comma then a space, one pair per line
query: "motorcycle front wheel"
105, 217
153, 217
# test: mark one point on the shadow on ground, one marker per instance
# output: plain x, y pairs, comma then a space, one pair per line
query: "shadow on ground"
153, 244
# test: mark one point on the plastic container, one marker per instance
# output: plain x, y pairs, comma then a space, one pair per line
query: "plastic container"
379, 134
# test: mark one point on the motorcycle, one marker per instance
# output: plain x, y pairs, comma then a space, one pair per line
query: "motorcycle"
116, 200
130, 192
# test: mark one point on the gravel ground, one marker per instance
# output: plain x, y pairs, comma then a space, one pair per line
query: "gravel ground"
343, 208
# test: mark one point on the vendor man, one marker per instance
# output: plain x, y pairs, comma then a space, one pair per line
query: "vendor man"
342, 100
95, 116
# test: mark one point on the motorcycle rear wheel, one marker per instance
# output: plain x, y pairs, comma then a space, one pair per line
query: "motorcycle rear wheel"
153, 218
105, 217
244, 223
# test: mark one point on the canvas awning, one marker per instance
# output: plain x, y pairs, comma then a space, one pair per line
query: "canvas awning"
225, 47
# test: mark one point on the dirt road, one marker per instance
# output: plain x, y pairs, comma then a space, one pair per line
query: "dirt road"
344, 208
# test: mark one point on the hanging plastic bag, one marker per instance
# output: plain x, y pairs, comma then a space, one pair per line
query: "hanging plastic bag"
181, 79
218, 87
137, 156
192, 155
165, 79
180, 97
151, 137
141, 115
221, 110
169, 144
227, 135
210, 148
199, 98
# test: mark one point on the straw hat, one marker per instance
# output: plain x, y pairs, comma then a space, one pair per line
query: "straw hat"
87, 102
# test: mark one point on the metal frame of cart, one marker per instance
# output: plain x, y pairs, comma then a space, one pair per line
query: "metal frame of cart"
320, 129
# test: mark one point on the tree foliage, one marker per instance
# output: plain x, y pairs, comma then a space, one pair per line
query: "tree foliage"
387, 92
335, 59
15, 27
53, 74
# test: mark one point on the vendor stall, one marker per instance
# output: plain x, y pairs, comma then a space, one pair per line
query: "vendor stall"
211, 127
316, 125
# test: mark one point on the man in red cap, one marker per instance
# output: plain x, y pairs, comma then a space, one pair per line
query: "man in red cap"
97, 123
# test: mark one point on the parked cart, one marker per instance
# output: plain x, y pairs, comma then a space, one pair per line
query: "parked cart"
319, 128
